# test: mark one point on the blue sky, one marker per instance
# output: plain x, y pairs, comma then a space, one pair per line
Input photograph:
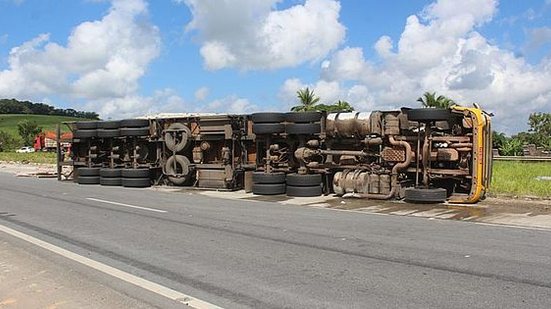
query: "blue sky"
125, 58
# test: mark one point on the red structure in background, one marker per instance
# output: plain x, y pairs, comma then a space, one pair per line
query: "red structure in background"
47, 141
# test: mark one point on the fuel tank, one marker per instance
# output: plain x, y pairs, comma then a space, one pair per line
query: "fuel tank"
354, 124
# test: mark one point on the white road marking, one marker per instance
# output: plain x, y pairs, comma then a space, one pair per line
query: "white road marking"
125, 205
117, 273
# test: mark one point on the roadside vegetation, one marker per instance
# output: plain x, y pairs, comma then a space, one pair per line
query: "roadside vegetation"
31, 157
539, 134
19, 130
21, 121
521, 178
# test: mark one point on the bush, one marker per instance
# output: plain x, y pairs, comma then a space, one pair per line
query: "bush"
511, 147
8, 142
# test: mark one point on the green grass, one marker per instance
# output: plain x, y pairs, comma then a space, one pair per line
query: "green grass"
8, 122
32, 157
520, 178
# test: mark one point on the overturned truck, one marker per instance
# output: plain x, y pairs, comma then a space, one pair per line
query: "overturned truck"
421, 155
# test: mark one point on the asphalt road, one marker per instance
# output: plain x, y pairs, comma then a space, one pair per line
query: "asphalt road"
266, 255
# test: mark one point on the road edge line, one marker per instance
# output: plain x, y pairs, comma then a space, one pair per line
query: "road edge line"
156, 288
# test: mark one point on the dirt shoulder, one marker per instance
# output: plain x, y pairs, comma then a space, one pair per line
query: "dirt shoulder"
28, 280
18, 168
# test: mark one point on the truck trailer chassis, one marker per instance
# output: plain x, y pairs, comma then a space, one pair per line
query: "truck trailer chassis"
421, 155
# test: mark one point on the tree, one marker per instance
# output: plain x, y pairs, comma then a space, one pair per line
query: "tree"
429, 99
28, 130
307, 99
540, 128
342, 106
339, 106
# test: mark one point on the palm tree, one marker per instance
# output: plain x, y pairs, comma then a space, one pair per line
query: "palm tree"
307, 99
431, 100
343, 106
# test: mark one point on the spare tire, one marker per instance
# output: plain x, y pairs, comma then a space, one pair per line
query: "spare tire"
134, 123
428, 114
86, 125
268, 117
303, 117
307, 180
177, 129
177, 169
422, 195
261, 177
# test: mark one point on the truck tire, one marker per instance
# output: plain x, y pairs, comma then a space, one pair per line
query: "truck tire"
183, 131
108, 133
88, 133
308, 180
110, 172
134, 123
268, 178
88, 171
303, 128
304, 191
303, 117
421, 195
88, 180
268, 117
135, 173
177, 169
144, 131
136, 182
268, 128
112, 124
86, 125
117, 181
268, 188
428, 114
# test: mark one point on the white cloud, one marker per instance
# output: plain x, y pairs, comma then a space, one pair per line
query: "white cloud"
201, 94
230, 104
102, 61
537, 37
440, 50
253, 34
133, 105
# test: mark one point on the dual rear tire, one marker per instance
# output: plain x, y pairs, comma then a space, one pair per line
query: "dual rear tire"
294, 185
131, 178
308, 185
268, 183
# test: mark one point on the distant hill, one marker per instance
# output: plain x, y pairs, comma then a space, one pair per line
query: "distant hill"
8, 123
13, 106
